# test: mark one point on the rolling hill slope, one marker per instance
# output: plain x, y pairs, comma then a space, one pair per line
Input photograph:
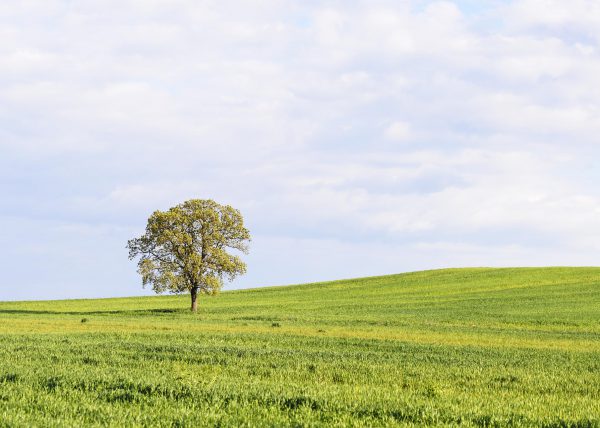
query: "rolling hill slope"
473, 347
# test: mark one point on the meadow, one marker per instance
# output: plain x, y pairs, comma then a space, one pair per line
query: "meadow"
469, 347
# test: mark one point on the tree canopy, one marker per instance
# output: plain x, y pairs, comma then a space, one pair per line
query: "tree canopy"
185, 248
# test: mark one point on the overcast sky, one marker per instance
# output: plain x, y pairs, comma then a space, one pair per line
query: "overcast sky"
356, 137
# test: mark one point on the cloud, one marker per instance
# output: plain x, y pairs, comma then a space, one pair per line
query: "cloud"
398, 131
581, 16
427, 132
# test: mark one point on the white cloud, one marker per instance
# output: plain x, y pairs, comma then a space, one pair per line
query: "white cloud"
398, 130
440, 136
581, 15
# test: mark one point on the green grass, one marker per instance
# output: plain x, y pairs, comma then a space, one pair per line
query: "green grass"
472, 347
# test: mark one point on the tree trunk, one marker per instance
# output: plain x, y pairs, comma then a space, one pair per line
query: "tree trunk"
194, 293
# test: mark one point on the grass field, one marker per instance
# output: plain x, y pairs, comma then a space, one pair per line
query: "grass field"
472, 347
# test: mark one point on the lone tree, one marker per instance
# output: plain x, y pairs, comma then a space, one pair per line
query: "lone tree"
184, 248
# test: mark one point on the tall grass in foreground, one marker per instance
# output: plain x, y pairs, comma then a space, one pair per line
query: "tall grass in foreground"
472, 347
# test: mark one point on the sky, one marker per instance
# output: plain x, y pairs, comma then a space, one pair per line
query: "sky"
357, 138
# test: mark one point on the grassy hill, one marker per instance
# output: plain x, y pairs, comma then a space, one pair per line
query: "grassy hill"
473, 347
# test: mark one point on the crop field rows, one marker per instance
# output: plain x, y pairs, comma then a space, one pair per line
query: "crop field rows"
469, 347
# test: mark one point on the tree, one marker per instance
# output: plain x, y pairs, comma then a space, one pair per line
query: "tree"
184, 248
